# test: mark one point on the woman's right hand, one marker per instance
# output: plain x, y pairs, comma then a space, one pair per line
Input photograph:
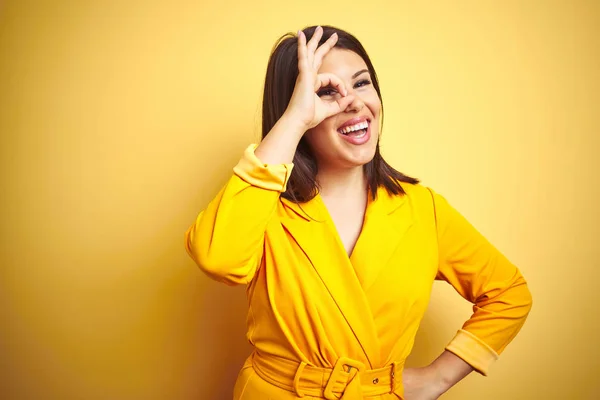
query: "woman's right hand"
305, 109
306, 106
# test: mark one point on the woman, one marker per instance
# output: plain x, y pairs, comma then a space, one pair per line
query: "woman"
339, 250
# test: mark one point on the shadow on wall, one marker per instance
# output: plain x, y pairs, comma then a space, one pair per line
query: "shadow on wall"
223, 347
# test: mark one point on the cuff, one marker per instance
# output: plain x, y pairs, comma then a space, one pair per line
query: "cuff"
473, 351
265, 176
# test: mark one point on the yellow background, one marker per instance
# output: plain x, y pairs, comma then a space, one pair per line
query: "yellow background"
119, 120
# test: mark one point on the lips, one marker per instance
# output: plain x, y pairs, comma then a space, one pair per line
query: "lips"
354, 134
354, 125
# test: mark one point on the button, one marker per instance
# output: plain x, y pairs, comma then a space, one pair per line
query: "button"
376, 381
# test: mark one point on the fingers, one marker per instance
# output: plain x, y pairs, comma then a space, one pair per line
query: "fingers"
313, 43
345, 102
338, 106
325, 80
342, 102
324, 49
310, 55
302, 53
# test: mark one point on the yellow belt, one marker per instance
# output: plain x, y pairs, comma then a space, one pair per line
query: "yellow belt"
347, 380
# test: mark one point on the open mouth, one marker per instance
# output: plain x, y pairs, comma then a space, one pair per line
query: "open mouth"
357, 130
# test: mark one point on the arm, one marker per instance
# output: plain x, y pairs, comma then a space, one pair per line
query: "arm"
500, 297
227, 238
481, 274
430, 382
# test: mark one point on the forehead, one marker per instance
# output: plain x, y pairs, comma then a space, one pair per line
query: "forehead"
341, 62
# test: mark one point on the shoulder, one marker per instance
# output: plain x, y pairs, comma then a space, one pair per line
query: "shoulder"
417, 193
422, 200
425, 198
418, 198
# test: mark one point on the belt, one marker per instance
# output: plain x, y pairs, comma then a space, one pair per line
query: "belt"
348, 379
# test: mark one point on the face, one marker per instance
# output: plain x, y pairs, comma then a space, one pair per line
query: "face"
347, 139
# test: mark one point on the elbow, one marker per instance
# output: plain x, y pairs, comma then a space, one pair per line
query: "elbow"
222, 269
523, 300
528, 299
220, 264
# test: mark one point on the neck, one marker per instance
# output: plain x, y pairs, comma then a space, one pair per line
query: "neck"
342, 182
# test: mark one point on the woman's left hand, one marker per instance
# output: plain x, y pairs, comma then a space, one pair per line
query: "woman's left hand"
421, 384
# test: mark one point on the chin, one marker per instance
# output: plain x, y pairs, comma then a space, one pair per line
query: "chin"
332, 150
360, 155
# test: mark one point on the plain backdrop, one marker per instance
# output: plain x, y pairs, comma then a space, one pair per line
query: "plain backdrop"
120, 120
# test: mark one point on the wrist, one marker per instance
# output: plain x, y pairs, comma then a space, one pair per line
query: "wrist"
439, 382
447, 370
292, 125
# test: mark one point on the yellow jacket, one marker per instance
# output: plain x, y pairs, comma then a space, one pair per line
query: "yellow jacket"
324, 324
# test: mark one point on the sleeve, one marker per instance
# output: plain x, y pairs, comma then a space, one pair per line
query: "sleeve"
226, 240
482, 275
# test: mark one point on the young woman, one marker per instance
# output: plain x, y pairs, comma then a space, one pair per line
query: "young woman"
338, 250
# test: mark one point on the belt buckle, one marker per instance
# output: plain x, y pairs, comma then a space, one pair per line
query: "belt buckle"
337, 370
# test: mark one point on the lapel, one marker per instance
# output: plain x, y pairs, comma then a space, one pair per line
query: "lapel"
313, 230
387, 220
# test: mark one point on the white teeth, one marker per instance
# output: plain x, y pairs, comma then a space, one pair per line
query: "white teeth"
352, 128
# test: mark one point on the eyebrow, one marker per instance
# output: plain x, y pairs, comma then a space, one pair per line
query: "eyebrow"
359, 72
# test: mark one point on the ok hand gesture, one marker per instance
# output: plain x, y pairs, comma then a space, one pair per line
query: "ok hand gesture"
305, 105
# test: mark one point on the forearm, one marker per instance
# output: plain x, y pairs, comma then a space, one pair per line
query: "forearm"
437, 378
279, 146
449, 369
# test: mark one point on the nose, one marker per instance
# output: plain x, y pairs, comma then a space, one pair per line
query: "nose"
356, 105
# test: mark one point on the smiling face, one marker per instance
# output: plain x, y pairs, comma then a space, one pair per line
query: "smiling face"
348, 139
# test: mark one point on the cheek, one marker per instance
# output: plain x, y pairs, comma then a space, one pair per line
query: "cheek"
323, 131
375, 106
319, 137
373, 102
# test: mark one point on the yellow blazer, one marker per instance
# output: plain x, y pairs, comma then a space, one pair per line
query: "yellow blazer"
325, 325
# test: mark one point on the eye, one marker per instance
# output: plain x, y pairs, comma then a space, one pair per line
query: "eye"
328, 91
362, 82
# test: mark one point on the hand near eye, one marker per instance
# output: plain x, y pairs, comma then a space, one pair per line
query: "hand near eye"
305, 109
305, 105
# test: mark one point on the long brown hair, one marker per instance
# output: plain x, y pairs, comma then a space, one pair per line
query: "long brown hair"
280, 80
